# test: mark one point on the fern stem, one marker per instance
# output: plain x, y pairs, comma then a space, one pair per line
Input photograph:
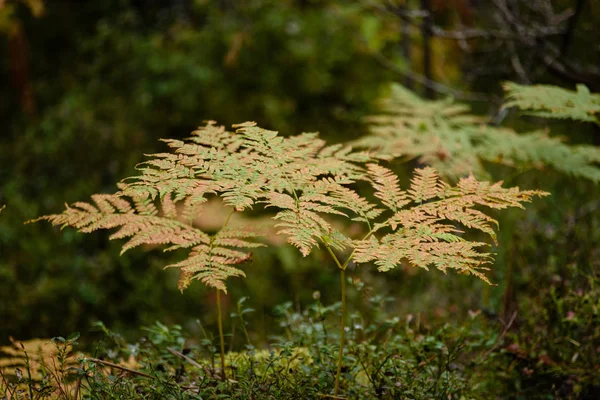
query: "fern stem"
342, 331
337, 262
342, 317
221, 337
343, 267
241, 315
227, 219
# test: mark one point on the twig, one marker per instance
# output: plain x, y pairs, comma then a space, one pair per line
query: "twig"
517, 66
77, 386
134, 372
122, 368
473, 33
405, 45
192, 362
497, 342
427, 54
438, 87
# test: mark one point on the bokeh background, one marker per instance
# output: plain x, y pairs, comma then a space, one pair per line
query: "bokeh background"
88, 87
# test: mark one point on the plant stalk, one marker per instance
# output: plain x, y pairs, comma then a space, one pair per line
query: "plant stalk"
221, 337
342, 332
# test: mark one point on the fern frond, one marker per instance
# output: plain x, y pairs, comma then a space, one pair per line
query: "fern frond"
444, 135
142, 227
423, 247
309, 184
302, 219
424, 222
241, 168
425, 185
214, 262
538, 150
211, 269
304, 229
334, 193
549, 101
387, 189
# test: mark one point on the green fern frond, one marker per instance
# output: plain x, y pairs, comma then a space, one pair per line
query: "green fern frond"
547, 101
443, 135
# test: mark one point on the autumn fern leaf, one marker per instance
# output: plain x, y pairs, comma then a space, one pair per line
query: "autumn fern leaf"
309, 185
386, 186
299, 175
423, 247
549, 101
138, 224
214, 262
302, 218
425, 185
304, 229
425, 223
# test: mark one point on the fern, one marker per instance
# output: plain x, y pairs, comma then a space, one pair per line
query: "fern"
213, 262
444, 135
423, 221
308, 184
548, 101
242, 168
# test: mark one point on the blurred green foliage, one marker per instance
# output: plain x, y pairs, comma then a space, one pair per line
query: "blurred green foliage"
113, 77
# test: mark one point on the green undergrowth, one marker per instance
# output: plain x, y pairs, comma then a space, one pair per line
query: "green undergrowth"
388, 356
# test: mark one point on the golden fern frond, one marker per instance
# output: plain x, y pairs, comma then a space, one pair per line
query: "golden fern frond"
142, 224
387, 189
333, 192
423, 247
301, 221
237, 237
210, 269
425, 185
424, 222
293, 163
241, 168
214, 262
304, 229
549, 101
308, 183
444, 135
213, 136
192, 164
